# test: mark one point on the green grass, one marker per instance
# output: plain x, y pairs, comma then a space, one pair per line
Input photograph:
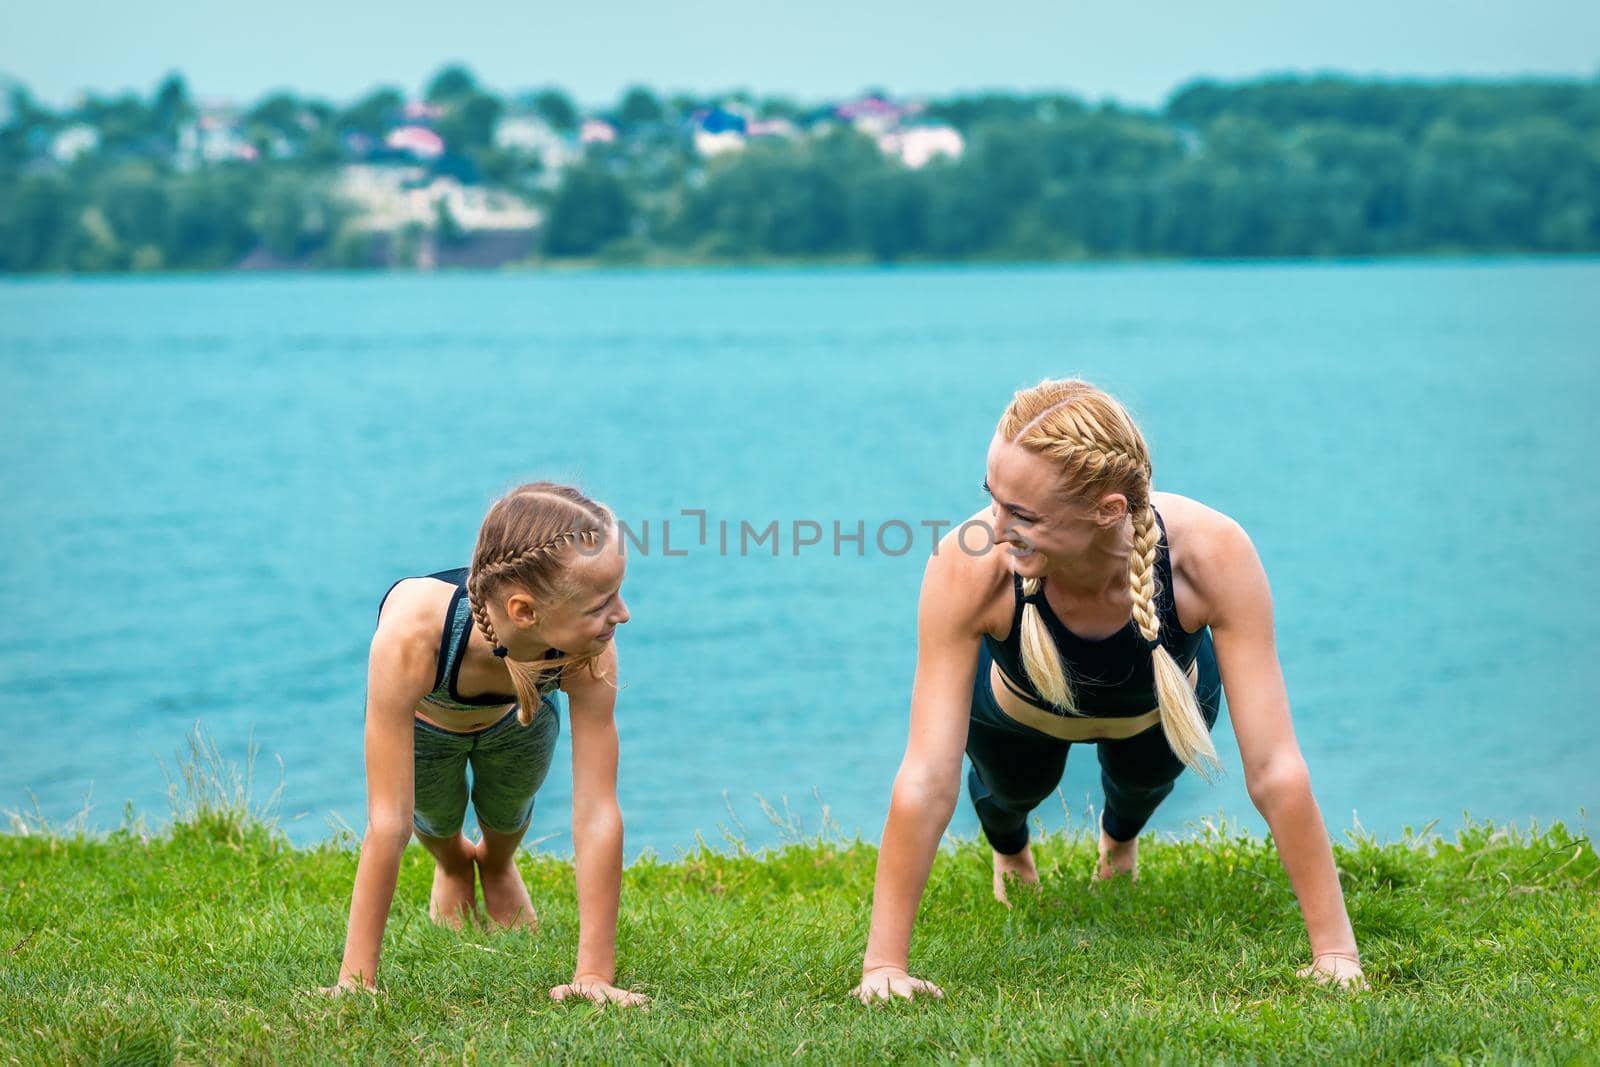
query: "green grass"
202, 942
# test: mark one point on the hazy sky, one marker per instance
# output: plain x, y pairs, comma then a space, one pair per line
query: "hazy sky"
1135, 52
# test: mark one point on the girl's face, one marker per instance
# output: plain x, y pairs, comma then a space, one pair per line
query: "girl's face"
589, 619
1037, 521
585, 622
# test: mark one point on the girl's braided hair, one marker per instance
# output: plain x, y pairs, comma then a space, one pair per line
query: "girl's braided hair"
526, 544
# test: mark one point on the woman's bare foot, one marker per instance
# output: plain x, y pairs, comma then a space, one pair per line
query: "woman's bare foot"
1117, 858
1014, 868
454, 896
505, 894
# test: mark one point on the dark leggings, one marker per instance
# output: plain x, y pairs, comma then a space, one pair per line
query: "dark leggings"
1014, 767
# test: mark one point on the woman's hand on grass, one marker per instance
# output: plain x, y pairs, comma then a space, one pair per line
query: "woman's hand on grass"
1335, 968
599, 991
350, 983
886, 983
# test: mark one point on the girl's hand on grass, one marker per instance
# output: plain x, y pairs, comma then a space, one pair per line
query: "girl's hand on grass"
1335, 968
599, 992
350, 983
886, 983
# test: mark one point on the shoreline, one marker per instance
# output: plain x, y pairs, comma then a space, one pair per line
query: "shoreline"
850, 265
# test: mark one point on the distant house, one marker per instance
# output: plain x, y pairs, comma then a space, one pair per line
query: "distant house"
529, 134
875, 115
779, 128
74, 141
421, 111
417, 141
391, 198
597, 131
215, 136
916, 146
719, 120
716, 144
717, 130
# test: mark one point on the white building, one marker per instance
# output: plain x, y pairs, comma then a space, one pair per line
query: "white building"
74, 141
532, 136
391, 198
597, 131
216, 136
709, 144
916, 146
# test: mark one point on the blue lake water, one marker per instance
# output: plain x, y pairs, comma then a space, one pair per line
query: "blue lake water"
209, 482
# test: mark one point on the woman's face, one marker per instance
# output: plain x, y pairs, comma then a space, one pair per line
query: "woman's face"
583, 623
1037, 522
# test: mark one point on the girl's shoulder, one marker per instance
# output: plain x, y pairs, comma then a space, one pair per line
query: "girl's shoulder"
597, 678
412, 615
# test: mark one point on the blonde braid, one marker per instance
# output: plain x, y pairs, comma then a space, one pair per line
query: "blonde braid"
1181, 721
1041, 660
1142, 573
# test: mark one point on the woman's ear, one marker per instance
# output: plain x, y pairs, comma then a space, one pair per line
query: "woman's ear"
522, 612
1113, 507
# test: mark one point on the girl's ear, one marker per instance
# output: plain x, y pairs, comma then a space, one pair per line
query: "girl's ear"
522, 612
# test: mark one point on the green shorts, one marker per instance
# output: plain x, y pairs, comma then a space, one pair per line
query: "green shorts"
509, 762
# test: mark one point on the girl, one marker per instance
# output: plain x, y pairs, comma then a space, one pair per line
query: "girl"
535, 612
1105, 621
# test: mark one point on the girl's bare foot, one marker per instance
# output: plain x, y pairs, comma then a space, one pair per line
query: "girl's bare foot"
1117, 858
1014, 868
454, 895
505, 894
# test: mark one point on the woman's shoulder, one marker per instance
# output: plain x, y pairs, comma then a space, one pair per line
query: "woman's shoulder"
967, 578
1202, 542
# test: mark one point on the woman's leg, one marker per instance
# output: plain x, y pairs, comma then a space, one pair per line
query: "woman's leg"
440, 792
1013, 769
509, 764
1138, 773
1011, 774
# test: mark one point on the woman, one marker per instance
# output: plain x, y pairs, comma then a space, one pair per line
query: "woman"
1099, 613
535, 612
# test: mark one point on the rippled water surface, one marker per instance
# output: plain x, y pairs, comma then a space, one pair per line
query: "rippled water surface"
209, 482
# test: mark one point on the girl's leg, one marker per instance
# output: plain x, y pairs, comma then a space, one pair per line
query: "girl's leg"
509, 764
505, 894
440, 793
454, 893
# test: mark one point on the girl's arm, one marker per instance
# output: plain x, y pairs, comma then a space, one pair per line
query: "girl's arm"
1234, 584
928, 782
596, 833
400, 671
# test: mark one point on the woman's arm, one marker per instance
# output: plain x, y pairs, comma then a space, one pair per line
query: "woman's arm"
929, 780
1234, 584
400, 670
596, 833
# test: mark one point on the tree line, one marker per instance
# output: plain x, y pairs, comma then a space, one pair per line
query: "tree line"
1286, 166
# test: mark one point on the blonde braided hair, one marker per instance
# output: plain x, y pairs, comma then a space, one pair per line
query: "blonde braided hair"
526, 544
1098, 449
